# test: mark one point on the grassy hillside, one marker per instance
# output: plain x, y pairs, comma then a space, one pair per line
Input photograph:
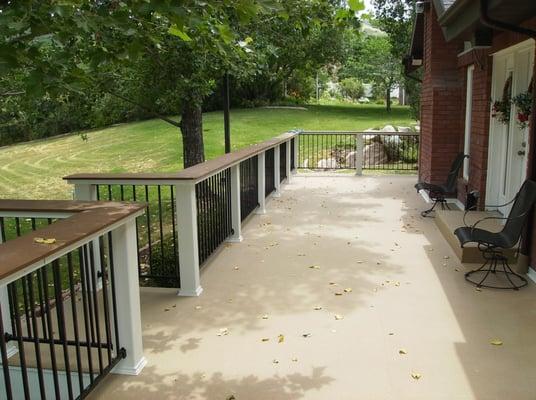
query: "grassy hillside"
35, 169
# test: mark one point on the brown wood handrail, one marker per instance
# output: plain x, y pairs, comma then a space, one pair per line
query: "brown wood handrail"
87, 220
197, 172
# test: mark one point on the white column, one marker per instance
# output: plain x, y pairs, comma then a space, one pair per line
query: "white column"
88, 192
359, 154
127, 294
236, 218
296, 153
277, 175
6, 316
261, 183
287, 164
186, 206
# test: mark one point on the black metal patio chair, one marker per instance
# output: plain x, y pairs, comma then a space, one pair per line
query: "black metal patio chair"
492, 244
439, 193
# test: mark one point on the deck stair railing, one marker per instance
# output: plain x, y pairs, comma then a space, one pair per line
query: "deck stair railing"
69, 297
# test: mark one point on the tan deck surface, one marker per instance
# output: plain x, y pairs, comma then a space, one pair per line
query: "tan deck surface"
364, 233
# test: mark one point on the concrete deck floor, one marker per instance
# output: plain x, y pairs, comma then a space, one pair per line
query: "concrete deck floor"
364, 233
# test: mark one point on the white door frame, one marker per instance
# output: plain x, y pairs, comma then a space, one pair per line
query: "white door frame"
507, 165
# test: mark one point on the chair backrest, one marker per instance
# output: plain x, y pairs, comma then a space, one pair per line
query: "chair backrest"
524, 201
452, 177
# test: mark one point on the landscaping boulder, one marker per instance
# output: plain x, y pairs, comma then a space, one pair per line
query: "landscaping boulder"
375, 154
388, 128
328, 163
403, 129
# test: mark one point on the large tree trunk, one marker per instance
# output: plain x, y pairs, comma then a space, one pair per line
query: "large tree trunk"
388, 99
192, 135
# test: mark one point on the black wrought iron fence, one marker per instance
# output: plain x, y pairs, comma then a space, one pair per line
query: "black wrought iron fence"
249, 186
158, 252
213, 212
390, 151
292, 154
269, 170
63, 327
282, 162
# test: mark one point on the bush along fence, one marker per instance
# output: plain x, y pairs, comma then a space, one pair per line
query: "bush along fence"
334, 150
191, 213
69, 297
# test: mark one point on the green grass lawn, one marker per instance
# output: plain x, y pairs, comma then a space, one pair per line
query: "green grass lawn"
34, 170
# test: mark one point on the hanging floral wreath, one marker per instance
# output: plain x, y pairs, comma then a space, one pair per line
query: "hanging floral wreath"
501, 108
523, 103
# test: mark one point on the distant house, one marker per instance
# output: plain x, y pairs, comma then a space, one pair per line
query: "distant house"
477, 55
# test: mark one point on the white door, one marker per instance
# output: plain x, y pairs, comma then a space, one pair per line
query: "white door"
508, 146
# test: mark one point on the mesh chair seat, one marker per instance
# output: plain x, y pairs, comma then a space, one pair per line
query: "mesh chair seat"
468, 234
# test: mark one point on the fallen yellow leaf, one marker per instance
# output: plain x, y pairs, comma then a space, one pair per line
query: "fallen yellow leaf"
402, 351
280, 338
265, 339
338, 317
318, 308
314, 267
416, 375
347, 290
44, 240
496, 342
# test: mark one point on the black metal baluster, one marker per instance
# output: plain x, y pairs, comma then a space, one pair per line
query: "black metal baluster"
5, 360
161, 225
85, 308
12, 289
94, 292
39, 367
174, 227
60, 314
26, 307
48, 311
114, 297
74, 313
137, 233
104, 280
149, 244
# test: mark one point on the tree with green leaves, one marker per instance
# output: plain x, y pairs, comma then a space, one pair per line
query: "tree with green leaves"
54, 46
371, 60
161, 49
396, 18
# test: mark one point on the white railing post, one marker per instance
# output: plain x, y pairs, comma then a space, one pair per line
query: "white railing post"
359, 154
296, 153
261, 183
186, 217
127, 292
4, 305
88, 192
236, 218
287, 163
277, 175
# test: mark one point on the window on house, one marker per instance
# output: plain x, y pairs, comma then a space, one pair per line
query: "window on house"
468, 117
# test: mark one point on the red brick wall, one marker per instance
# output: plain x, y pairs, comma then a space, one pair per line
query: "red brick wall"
441, 103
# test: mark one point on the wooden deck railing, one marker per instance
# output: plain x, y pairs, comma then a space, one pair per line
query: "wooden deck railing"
190, 213
65, 321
